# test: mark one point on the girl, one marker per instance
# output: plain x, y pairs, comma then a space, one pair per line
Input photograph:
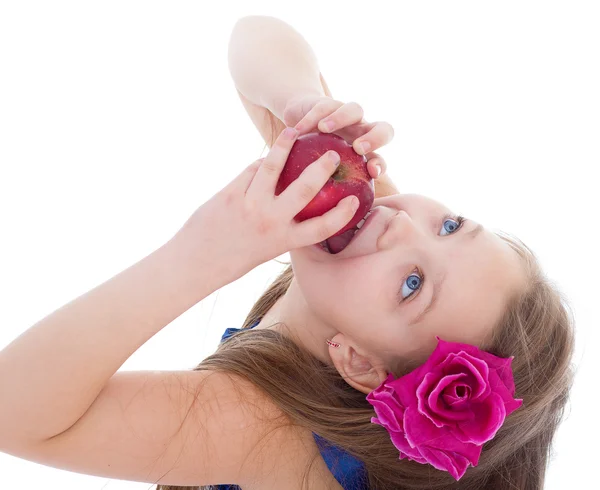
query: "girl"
338, 378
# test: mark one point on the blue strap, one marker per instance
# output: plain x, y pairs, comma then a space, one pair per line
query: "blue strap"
348, 471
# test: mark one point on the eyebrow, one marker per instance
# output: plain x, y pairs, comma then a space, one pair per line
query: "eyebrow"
437, 286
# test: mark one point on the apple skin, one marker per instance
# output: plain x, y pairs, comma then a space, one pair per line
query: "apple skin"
350, 178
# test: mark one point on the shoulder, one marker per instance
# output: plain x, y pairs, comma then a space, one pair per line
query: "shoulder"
271, 450
284, 453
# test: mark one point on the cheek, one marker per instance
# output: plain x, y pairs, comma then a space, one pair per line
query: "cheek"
361, 306
345, 286
313, 271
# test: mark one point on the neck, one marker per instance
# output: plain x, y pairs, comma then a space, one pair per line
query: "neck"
291, 317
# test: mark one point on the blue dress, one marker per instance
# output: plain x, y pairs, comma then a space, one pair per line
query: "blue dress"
347, 470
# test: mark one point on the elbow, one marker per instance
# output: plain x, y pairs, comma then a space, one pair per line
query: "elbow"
250, 37
259, 26
249, 24
253, 20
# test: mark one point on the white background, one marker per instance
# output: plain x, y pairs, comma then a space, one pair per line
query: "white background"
119, 118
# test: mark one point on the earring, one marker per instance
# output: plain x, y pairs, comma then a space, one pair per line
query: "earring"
332, 344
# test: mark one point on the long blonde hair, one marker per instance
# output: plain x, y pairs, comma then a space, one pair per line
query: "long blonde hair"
537, 328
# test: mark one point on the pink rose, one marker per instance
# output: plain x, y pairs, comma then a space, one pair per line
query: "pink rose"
445, 410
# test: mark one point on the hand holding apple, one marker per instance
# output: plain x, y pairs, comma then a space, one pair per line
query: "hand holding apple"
246, 224
309, 112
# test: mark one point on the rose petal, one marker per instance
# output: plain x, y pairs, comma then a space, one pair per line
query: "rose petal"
406, 386
507, 394
504, 371
444, 348
453, 399
463, 362
400, 442
424, 389
440, 409
420, 432
489, 417
454, 463
398, 438
389, 413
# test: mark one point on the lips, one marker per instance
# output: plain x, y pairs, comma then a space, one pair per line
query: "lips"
365, 241
374, 212
378, 221
321, 246
337, 243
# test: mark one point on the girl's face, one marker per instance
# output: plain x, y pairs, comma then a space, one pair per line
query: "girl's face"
412, 252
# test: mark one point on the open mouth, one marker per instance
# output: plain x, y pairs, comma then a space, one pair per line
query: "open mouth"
336, 244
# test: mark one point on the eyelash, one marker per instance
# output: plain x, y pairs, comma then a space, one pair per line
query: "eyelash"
460, 220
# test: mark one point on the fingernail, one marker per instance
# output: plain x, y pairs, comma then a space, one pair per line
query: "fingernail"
328, 125
354, 204
364, 147
378, 167
334, 157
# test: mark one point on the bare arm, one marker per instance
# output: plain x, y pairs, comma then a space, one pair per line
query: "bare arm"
270, 63
62, 403
52, 373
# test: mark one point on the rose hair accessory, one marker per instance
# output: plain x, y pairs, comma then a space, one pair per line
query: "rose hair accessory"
445, 410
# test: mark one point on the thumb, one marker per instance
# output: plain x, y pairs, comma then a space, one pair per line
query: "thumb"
319, 228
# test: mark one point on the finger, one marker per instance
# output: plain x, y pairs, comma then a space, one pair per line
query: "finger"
318, 112
373, 161
380, 135
350, 113
244, 179
319, 228
247, 176
265, 180
312, 179
297, 107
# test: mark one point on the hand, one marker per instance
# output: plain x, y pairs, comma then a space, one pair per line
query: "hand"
245, 224
310, 112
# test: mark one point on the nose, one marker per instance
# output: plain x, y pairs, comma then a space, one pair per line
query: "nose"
399, 228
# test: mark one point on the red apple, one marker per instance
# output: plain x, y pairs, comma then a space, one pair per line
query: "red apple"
350, 178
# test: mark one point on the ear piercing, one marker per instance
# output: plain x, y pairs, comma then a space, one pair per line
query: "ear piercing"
332, 344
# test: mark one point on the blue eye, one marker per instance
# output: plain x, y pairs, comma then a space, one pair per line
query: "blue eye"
415, 281
453, 227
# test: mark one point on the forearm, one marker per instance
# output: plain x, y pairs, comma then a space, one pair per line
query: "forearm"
270, 62
52, 373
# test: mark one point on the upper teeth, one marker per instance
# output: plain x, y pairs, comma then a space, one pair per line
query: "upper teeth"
362, 221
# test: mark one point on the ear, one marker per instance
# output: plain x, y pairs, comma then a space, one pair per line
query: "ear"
359, 371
